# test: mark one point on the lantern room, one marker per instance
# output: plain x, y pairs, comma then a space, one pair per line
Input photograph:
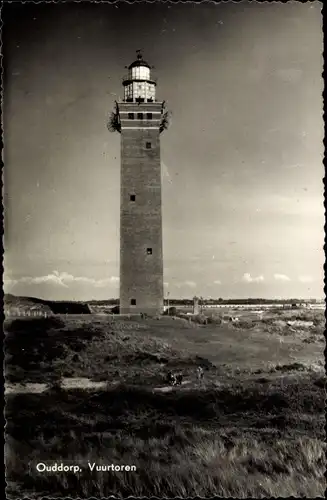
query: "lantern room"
138, 84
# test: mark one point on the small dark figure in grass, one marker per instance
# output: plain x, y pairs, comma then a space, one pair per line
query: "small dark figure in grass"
174, 378
200, 373
171, 378
55, 387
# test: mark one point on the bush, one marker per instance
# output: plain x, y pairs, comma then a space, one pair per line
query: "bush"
200, 319
115, 310
171, 311
34, 325
214, 319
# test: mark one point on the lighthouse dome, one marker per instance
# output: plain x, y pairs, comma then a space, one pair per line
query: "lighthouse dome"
139, 62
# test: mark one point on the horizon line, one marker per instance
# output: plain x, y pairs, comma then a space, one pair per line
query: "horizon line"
319, 299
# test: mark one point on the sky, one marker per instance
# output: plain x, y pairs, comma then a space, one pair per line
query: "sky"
242, 160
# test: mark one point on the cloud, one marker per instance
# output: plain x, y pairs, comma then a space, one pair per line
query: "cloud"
55, 277
217, 282
191, 284
305, 279
61, 279
249, 279
9, 282
281, 277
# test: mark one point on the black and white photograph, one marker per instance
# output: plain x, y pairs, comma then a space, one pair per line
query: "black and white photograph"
163, 266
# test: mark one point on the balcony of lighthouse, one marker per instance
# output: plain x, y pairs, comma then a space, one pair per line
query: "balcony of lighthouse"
126, 79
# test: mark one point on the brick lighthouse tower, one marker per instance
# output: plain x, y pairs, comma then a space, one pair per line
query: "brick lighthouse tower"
140, 119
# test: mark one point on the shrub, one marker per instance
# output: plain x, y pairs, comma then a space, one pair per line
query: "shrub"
201, 319
171, 311
214, 319
115, 310
34, 325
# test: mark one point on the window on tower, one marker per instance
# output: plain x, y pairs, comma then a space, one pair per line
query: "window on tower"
140, 91
149, 251
149, 116
129, 92
131, 116
148, 145
140, 116
133, 302
150, 91
132, 197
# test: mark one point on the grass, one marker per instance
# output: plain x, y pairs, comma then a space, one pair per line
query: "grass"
253, 428
209, 443
100, 349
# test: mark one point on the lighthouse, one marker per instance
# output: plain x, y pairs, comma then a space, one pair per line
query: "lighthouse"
140, 118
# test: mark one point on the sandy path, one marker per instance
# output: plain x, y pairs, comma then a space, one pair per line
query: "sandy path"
76, 383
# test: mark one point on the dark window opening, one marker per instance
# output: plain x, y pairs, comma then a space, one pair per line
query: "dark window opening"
140, 99
149, 116
131, 116
150, 99
149, 251
132, 197
140, 116
148, 145
133, 302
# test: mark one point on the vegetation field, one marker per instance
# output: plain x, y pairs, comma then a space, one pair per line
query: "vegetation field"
252, 427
